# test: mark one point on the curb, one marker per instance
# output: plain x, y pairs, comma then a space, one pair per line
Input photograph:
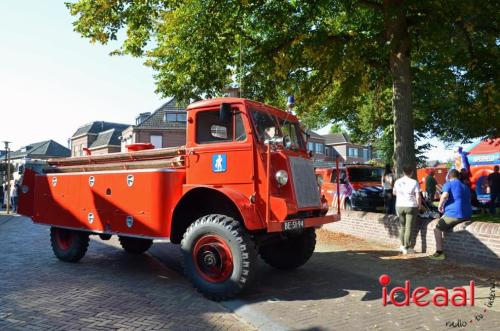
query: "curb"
241, 308
252, 316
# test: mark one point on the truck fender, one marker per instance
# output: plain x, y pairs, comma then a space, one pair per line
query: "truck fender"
245, 207
198, 201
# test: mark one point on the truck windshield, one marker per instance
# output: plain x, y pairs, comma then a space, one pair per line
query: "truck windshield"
365, 174
293, 130
265, 124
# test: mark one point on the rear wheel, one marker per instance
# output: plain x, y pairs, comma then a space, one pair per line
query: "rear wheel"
291, 252
135, 245
68, 245
218, 256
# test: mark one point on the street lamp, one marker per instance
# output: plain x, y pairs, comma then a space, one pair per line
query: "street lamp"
7, 170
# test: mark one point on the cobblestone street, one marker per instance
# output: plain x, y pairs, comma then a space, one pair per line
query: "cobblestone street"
108, 289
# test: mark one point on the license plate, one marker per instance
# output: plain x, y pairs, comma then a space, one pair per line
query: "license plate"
293, 225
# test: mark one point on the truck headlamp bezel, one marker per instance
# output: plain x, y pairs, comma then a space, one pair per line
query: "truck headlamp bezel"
281, 177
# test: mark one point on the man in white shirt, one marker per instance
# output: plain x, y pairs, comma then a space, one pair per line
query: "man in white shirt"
408, 201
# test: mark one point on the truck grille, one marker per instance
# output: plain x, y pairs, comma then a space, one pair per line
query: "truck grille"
304, 182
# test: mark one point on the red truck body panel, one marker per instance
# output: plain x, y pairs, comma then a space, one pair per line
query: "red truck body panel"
137, 202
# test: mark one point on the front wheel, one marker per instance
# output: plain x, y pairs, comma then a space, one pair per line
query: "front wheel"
135, 245
68, 245
219, 257
290, 252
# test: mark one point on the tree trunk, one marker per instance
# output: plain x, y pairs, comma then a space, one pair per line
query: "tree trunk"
399, 62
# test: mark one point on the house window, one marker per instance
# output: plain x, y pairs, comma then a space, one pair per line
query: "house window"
353, 152
157, 141
171, 117
310, 146
366, 154
327, 151
319, 148
175, 117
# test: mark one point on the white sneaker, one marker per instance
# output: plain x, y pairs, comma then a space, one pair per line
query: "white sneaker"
410, 251
401, 248
404, 251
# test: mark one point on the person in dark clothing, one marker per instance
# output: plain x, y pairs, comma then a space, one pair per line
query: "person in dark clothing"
387, 182
494, 183
430, 186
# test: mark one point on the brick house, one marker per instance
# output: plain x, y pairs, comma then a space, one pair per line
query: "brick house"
165, 127
100, 137
316, 145
348, 151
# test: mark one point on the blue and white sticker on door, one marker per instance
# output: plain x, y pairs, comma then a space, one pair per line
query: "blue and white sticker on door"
219, 163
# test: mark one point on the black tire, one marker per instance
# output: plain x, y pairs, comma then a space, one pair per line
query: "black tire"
135, 245
207, 247
69, 245
291, 252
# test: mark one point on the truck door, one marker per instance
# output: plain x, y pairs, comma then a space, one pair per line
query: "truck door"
222, 151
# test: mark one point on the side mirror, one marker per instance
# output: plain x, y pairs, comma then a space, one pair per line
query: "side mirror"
225, 113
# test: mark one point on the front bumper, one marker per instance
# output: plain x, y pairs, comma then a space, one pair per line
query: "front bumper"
311, 222
367, 203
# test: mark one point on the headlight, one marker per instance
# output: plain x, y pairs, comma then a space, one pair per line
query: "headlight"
281, 177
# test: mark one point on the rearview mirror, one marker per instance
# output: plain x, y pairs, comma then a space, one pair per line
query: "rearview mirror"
225, 113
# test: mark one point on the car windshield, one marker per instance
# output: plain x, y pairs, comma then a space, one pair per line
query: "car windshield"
365, 174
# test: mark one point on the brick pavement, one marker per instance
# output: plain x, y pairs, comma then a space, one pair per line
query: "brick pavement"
106, 290
338, 289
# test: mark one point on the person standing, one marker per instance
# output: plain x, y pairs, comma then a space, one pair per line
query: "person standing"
13, 196
455, 204
430, 186
388, 185
408, 202
494, 183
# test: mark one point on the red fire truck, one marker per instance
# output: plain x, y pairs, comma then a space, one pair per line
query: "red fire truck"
242, 185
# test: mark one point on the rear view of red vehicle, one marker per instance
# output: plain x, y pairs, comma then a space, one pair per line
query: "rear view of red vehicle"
242, 185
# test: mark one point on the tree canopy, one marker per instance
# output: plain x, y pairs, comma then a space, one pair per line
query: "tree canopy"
384, 68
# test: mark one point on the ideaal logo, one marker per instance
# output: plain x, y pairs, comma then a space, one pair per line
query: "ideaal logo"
459, 297
421, 297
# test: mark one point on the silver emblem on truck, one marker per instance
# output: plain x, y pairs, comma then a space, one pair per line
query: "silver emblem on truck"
91, 181
54, 181
130, 221
90, 217
130, 180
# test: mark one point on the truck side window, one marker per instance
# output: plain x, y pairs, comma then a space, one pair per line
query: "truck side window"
239, 129
211, 130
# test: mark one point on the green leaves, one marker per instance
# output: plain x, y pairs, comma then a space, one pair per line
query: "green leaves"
332, 55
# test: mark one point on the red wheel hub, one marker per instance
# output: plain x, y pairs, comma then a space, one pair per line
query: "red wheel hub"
212, 258
64, 238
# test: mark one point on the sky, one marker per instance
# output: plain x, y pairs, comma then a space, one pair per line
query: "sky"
53, 81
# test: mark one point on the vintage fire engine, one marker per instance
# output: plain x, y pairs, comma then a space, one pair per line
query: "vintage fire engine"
242, 185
